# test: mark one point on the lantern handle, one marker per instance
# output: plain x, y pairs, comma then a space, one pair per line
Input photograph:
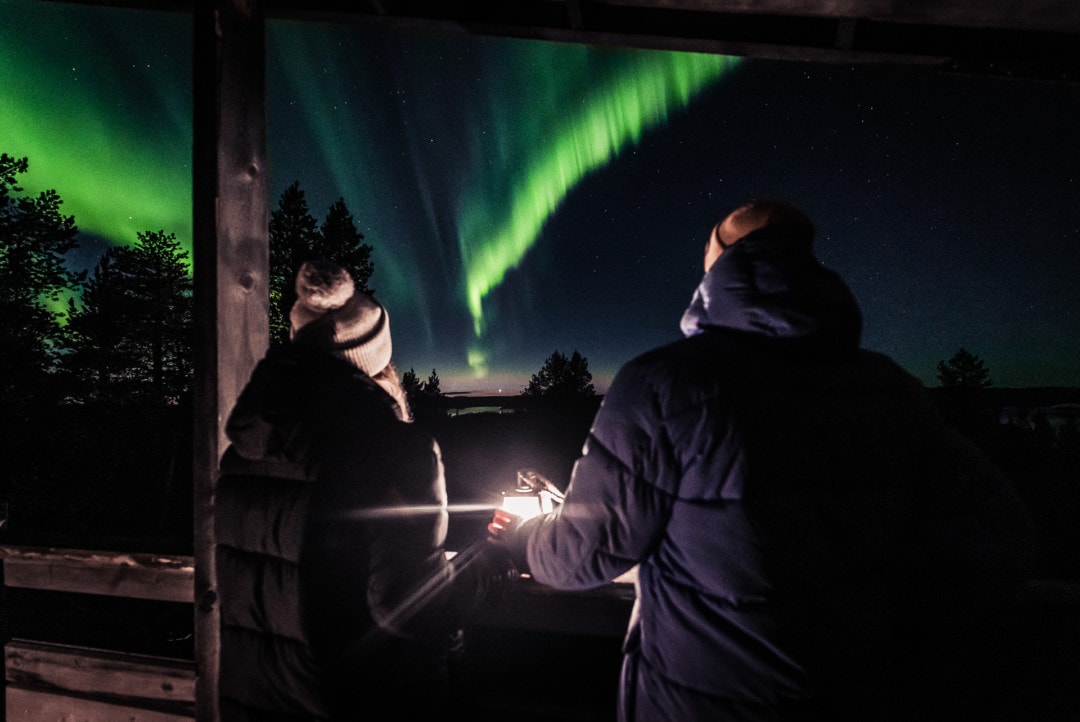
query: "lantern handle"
533, 480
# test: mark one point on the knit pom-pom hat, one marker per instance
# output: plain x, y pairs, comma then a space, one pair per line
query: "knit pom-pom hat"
329, 314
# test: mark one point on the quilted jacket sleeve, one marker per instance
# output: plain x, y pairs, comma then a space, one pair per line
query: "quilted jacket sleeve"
614, 511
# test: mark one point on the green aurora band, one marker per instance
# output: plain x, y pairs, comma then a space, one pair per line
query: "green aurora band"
107, 123
640, 97
111, 132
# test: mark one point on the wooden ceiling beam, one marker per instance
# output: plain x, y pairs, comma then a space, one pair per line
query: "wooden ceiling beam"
1034, 39
992, 37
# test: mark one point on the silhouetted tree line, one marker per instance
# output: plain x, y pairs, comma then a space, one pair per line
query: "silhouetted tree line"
96, 371
95, 378
562, 383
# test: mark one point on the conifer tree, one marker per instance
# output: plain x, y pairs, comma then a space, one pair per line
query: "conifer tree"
562, 378
131, 334
161, 313
34, 238
431, 386
293, 234
341, 242
412, 385
99, 351
964, 369
296, 237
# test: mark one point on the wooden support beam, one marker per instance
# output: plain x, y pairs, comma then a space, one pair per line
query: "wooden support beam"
231, 268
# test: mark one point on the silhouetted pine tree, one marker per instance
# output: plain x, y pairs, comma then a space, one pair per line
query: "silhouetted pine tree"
295, 237
562, 378
341, 242
293, 234
131, 336
98, 349
964, 369
161, 294
34, 237
424, 396
412, 385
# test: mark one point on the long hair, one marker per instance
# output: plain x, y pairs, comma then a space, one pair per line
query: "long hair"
391, 384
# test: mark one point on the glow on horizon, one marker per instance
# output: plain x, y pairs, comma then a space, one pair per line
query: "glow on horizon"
464, 382
617, 115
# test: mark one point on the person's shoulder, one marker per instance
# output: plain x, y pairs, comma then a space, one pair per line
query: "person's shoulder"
665, 355
886, 366
654, 364
686, 357
671, 377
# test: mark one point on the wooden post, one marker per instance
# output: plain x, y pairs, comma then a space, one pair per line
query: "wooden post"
231, 269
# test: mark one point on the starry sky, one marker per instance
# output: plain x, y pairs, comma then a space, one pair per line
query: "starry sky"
524, 197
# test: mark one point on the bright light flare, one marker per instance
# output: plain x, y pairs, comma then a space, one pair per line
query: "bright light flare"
525, 507
387, 512
534, 495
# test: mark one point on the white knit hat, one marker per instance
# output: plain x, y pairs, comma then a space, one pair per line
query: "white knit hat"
353, 325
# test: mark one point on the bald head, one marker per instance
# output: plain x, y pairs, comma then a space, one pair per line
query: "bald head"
754, 216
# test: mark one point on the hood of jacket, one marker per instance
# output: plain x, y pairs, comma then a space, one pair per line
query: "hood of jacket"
773, 287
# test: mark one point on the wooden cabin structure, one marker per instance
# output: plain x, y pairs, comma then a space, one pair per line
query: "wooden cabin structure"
1029, 40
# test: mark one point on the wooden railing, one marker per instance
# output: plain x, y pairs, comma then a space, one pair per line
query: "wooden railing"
53, 681
50, 681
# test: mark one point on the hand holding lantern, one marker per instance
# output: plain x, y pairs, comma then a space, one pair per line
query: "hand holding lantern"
500, 522
533, 495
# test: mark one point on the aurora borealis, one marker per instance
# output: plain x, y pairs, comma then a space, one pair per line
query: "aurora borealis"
517, 155
639, 98
114, 138
524, 197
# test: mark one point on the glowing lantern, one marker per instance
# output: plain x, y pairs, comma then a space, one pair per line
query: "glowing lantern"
533, 495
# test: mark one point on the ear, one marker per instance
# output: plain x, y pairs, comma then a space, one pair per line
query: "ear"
713, 248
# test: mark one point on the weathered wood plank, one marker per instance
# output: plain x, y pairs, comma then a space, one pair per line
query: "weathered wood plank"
30, 705
52, 681
118, 574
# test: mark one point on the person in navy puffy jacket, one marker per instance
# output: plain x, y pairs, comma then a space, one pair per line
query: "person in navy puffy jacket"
797, 510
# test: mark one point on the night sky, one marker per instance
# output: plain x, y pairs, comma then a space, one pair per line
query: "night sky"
524, 197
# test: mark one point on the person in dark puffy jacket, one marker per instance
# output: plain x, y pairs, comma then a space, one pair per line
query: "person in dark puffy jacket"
337, 598
796, 509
